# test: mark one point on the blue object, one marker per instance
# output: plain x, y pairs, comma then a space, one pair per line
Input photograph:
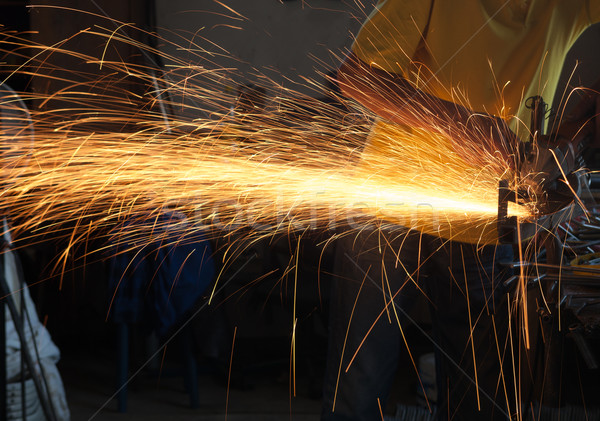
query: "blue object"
160, 283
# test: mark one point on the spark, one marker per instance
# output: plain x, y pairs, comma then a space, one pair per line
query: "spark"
120, 142
103, 154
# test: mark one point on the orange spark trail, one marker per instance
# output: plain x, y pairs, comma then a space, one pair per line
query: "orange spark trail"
123, 141
105, 153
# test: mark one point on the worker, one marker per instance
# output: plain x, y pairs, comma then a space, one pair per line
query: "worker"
463, 67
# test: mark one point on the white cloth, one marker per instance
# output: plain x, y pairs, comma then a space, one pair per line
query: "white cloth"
49, 353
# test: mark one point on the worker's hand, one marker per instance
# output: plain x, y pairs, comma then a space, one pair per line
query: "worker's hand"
559, 153
582, 121
557, 156
490, 134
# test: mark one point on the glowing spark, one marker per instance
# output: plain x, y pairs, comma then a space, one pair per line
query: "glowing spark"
102, 155
113, 150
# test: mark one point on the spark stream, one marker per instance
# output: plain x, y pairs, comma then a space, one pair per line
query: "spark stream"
122, 140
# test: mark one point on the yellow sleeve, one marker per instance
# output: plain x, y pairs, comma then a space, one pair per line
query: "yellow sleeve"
392, 33
593, 8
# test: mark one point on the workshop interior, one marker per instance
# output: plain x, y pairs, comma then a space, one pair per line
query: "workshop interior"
225, 324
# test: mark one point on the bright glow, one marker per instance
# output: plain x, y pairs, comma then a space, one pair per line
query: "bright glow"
106, 151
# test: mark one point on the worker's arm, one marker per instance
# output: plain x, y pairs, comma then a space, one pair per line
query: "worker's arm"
393, 97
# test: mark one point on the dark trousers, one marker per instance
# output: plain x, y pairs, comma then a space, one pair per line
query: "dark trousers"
463, 286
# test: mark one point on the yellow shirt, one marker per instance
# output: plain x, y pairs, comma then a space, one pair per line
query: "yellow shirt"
489, 55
